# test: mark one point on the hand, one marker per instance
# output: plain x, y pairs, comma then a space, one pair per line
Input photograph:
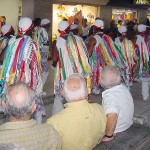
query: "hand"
105, 139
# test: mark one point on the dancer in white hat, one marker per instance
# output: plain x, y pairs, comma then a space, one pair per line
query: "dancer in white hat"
70, 57
143, 54
125, 48
22, 64
101, 52
7, 32
41, 37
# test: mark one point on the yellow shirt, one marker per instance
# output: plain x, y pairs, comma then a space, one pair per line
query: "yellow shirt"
81, 125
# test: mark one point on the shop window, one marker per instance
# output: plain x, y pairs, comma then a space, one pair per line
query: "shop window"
69, 12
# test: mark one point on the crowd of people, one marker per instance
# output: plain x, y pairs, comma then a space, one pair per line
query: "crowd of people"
86, 60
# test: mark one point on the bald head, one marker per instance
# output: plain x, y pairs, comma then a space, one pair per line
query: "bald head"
19, 100
110, 77
75, 88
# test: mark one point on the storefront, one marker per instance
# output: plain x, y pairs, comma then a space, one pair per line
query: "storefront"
124, 15
69, 12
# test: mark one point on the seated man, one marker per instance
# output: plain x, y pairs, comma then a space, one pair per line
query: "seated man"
21, 129
80, 124
116, 101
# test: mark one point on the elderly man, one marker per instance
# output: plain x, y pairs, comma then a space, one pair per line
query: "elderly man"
117, 103
81, 124
21, 129
22, 63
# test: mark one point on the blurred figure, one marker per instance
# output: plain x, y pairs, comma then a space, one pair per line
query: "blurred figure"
135, 24
131, 33
119, 23
81, 125
112, 31
41, 37
74, 29
20, 128
142, 50
117, 103
80, 32
85, 29
147, 22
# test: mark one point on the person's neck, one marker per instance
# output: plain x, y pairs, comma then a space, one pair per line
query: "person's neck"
12, 119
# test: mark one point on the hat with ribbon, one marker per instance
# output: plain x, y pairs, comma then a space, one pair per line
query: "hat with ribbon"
99, 24
141, 27
63, 25
6, 29
122, 30
25, 24
45, 22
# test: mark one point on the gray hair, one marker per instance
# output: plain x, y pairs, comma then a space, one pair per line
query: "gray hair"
11, 146
110, 77
78, 93
19, 100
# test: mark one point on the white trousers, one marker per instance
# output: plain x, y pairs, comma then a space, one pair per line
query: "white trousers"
58, 104
145, 87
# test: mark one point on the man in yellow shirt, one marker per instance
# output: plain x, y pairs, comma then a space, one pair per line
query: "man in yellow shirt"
81, 125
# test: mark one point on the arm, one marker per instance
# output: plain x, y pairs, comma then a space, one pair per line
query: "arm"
90, 46
110, 127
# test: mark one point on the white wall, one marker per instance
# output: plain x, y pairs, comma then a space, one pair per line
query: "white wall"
28, 8
9, 9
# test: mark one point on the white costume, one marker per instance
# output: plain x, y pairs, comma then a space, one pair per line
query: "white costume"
143, 53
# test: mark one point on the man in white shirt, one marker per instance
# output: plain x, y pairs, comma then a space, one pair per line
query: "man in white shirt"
117, 103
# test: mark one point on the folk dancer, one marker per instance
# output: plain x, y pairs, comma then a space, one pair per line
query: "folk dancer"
143, 54
101, 52
69, 53
41, 37
22, 64
7, 32
125, 48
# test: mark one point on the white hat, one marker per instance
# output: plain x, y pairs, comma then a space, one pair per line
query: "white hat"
25, 24
45, 22
141, 28
73, 26
122, 29
6, 29
63, 25
99, 24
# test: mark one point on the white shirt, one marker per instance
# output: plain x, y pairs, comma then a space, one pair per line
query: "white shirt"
86, 30
119, 100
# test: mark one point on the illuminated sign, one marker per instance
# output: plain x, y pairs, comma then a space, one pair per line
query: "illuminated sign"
142, 2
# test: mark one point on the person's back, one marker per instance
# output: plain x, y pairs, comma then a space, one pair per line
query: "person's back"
30, 135
81, 125
122, 98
